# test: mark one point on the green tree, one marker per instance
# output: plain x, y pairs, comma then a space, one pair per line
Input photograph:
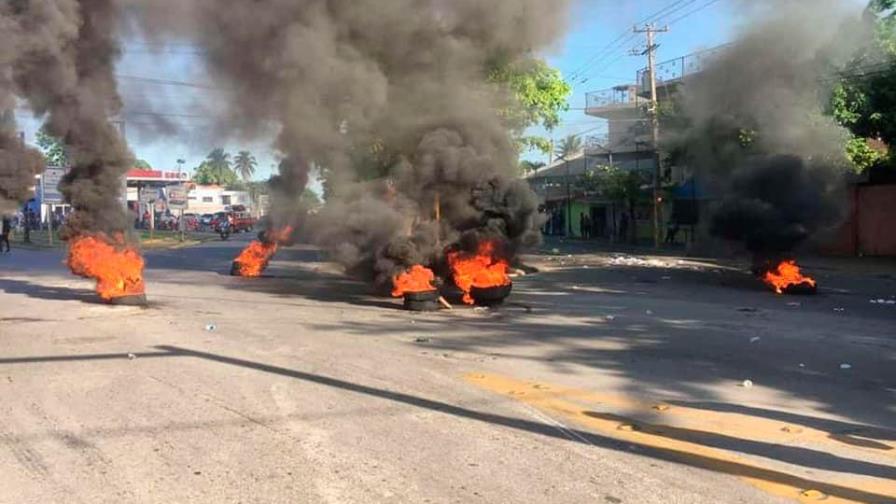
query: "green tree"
568, 147
142, 164
527, 166
311, 198
539, 95
626, 188
216, 170
245, 164
864, 98
52, 148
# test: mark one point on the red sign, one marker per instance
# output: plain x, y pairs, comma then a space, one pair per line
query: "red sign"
137, 173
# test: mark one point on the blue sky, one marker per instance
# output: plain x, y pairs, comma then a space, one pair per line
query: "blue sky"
594, 25
593, 57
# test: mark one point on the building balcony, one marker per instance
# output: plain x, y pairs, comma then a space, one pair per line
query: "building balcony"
615, 102
671, 73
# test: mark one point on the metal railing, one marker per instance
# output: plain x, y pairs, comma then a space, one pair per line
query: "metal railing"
677, 69
619, 95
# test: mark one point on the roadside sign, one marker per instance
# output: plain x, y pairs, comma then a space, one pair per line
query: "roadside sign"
177, 197
148, 195
49, 186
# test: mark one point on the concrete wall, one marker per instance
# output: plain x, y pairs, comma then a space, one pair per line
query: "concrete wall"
870, 227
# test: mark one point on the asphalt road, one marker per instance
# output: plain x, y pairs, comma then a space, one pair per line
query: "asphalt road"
603, 379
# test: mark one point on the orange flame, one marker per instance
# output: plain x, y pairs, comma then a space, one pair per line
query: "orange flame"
415, 279
787, 273
116, 266
253, 260
481, 269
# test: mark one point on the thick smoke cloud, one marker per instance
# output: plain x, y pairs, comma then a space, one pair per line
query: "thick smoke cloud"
61, 63
755, 130
18, 164
390, 98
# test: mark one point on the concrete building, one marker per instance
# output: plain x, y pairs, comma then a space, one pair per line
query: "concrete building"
212, 198
565, 189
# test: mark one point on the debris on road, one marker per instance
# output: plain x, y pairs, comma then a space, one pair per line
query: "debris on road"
795, 304
813, 495
755, 339
845, 366
211, 327
421, 339
839, 309
648, 312
132, 356
610, 318
748, 309
444, 302
747, 384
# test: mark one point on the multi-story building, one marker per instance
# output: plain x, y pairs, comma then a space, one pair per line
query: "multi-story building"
564, 187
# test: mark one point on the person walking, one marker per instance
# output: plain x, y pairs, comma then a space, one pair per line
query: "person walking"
5, 229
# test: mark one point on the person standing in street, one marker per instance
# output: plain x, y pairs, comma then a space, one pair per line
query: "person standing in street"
5, 229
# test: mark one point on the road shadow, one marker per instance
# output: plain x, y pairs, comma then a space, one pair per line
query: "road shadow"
533, 427
46, 292
796, 455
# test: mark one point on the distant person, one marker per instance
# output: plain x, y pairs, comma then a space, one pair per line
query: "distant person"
623, 227
28, 223
5, 229
583, 221
672, 231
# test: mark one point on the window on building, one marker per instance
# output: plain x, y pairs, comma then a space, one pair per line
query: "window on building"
207, 199
225, 200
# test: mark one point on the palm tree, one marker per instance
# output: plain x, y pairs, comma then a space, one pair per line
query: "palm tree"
245, 164
218, 162
568, 147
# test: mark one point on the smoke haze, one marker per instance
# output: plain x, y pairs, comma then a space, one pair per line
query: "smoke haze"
60, 61
755, 130
391, 99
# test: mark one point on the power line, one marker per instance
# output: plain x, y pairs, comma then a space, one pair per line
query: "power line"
166, 82
690, 13
673, 8
625, 37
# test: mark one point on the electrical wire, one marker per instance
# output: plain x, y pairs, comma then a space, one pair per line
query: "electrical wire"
690, 13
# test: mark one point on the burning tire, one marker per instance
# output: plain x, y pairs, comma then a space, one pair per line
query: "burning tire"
134, 300
421, 301
800, 289
490, 296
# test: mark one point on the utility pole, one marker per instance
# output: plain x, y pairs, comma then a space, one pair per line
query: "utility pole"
653, 112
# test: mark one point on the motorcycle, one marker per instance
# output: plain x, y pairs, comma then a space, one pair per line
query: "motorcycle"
224, 230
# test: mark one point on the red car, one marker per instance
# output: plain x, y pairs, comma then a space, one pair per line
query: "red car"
241, 221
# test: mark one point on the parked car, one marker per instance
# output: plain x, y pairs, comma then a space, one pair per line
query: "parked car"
205, 222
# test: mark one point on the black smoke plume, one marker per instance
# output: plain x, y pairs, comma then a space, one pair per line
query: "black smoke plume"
754, 131
390, 99
18, 166
62, 66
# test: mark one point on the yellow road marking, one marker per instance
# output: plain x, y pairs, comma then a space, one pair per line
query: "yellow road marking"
692, 436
